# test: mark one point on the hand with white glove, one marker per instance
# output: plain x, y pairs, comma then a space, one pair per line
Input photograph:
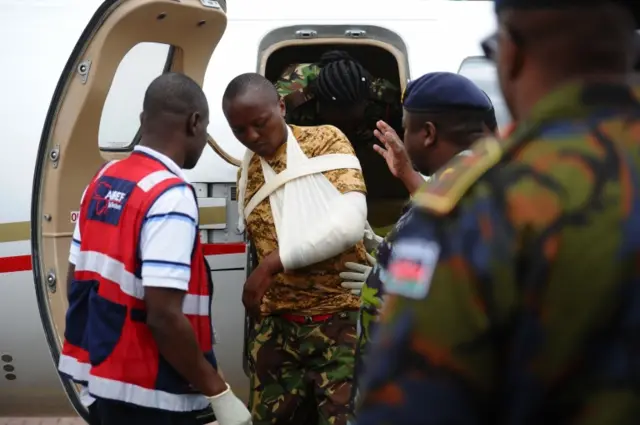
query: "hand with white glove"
370, 240
229, 410
355, 278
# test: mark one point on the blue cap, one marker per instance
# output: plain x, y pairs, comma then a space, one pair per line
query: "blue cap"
440, 91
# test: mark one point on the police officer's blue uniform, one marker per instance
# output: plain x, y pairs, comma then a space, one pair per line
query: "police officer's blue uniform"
433, 92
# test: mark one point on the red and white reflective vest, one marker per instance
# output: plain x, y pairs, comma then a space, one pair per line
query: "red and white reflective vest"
106, 321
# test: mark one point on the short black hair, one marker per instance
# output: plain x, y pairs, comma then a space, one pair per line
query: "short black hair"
462, 127
342, 82
250, 81
176, 94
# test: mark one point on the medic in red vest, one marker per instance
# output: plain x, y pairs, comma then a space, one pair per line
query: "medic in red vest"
138, 329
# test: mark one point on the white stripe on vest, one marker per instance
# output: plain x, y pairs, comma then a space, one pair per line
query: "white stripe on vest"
140, 396
115, 271
72, 367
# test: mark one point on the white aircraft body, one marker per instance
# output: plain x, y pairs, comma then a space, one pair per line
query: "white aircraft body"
74, 74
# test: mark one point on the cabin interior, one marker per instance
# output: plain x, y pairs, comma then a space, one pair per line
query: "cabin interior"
386, 195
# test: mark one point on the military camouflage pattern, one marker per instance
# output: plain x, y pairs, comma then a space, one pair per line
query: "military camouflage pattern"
373, 290
519, 304
371, 300
315, 289
295, 85
293, 364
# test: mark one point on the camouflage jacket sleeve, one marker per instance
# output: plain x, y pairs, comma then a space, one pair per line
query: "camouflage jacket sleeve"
295, 87
432, 361
296, 79
370, 304
371, 300
373, 290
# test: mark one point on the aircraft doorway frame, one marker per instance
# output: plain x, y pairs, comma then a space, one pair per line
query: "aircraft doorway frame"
309, 35
66, 161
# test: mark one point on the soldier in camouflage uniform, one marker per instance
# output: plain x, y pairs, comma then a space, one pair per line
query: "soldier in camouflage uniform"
338, 91
512, 285
302, 344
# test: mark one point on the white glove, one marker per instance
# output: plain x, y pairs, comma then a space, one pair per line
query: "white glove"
371, 240
355, 279
229, 410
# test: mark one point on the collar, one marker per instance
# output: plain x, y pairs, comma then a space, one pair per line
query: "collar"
577, 99
168, 162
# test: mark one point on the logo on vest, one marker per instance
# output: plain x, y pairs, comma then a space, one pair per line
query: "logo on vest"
112, 200
109, 199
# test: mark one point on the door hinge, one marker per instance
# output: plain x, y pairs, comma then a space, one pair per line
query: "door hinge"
54, 156
210, 3
83, 70
355, 33
52, 281
306, 34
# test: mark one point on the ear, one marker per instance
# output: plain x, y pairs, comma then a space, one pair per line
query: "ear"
141, 118
282, 107
428, 134
192, 123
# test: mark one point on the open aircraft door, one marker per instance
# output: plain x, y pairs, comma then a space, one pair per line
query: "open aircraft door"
68, 154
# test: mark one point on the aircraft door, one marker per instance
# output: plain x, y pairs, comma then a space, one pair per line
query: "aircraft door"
69, 154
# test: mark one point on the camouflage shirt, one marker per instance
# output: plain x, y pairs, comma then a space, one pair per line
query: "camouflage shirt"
513, 287
295, 85
314, 289
373, 291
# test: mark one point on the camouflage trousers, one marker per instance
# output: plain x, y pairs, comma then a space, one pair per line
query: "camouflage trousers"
301, 374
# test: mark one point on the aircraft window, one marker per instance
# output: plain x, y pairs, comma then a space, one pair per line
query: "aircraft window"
483, 72
120, 119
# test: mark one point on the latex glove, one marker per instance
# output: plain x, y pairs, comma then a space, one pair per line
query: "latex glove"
229, 410
357, 275
371, 240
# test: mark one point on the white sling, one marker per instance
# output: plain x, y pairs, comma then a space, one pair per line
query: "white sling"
300, 196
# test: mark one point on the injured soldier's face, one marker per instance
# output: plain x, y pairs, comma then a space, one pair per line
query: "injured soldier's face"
257, 121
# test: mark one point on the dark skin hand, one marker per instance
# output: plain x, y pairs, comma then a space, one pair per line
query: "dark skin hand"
393, 151
176, 340
259, 283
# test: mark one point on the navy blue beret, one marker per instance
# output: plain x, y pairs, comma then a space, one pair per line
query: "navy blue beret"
632, 5
440, 91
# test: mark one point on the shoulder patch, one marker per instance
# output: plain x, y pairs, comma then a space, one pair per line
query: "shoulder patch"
442, 192
410, 268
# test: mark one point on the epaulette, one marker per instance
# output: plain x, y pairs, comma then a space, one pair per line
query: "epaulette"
445, 188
